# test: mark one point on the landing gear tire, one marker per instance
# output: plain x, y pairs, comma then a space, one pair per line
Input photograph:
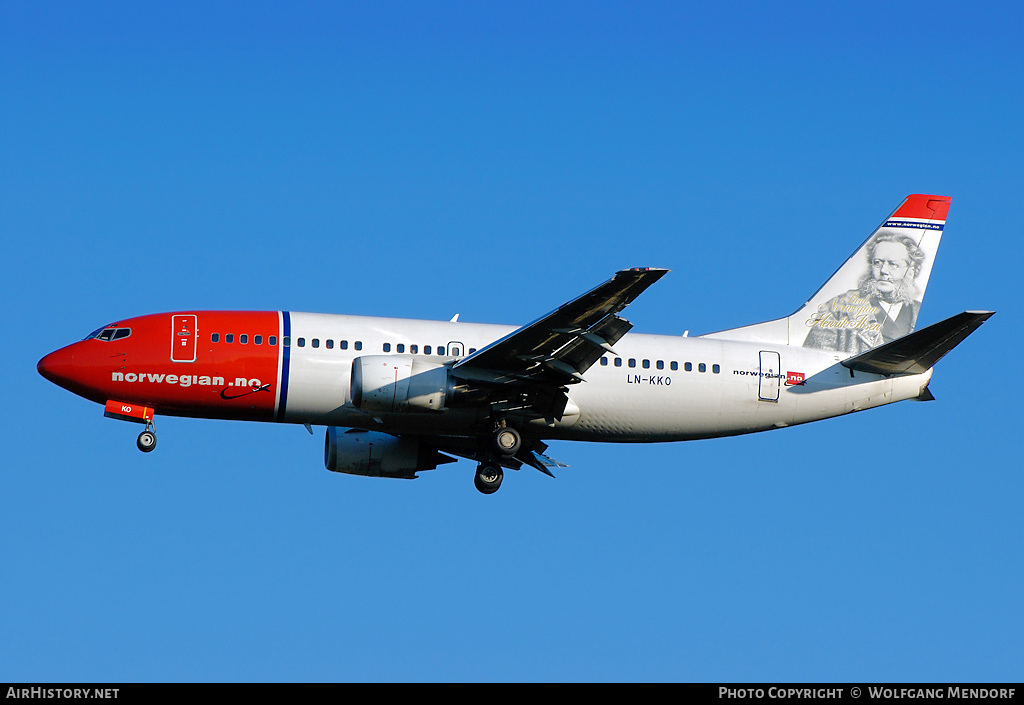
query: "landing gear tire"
506, 441
146, 441
488, 478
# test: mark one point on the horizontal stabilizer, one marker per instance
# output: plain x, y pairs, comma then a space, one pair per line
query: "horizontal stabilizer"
918, 352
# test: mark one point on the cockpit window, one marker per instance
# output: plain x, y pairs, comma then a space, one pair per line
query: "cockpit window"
108, 333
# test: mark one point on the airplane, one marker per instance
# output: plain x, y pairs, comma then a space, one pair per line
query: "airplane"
401, 396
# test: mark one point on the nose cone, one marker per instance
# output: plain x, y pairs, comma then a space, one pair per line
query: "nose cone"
58, 367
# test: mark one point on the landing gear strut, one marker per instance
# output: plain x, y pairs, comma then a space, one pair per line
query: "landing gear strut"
147, 439
488, 477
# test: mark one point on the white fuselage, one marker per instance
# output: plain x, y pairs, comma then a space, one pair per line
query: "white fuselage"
660, 388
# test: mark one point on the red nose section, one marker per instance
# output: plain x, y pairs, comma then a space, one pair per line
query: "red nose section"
59, 367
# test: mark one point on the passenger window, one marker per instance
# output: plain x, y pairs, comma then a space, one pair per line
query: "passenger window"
214, 337
287, 342
472, 350
400, 348
302, 342
618, 362
673, 366
359, 345
632, 362
426, 349
661, 364
387, 347
316, 342
647, 364
330, 344
440, 350
343, 345
414, 349
257, 340
702, 367
604, 362
243, 339
688, 367
229, 338
716, 369
273, 340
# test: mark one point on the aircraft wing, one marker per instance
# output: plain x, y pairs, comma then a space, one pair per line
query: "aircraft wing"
559, 347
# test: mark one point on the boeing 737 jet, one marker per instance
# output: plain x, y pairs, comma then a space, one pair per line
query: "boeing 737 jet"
402, 396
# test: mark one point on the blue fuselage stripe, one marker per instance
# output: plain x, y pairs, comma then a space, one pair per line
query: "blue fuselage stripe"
286, 335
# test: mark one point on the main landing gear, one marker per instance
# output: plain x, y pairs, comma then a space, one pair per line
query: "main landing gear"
488, 477
504, 443
147, 439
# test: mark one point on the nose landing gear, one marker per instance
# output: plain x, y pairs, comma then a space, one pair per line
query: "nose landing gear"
146, 441
136, 413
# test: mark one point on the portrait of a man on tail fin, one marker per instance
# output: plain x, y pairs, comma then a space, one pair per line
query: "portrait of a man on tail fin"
883, 307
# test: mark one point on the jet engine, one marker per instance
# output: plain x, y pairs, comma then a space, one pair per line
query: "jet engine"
373, 454
396, 383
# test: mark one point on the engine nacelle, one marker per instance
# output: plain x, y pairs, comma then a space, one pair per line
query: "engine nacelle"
375, 454
397, 383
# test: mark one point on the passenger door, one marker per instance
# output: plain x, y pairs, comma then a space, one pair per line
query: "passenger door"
768, 381
184, 329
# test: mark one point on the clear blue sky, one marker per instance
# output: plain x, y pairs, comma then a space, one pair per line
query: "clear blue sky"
494, 160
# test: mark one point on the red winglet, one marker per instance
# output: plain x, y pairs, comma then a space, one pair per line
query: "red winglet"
920, 205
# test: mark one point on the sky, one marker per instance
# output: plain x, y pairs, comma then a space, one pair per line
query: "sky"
495, 160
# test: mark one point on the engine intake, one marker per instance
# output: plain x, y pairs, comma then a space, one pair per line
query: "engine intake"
374, 454
397, 383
